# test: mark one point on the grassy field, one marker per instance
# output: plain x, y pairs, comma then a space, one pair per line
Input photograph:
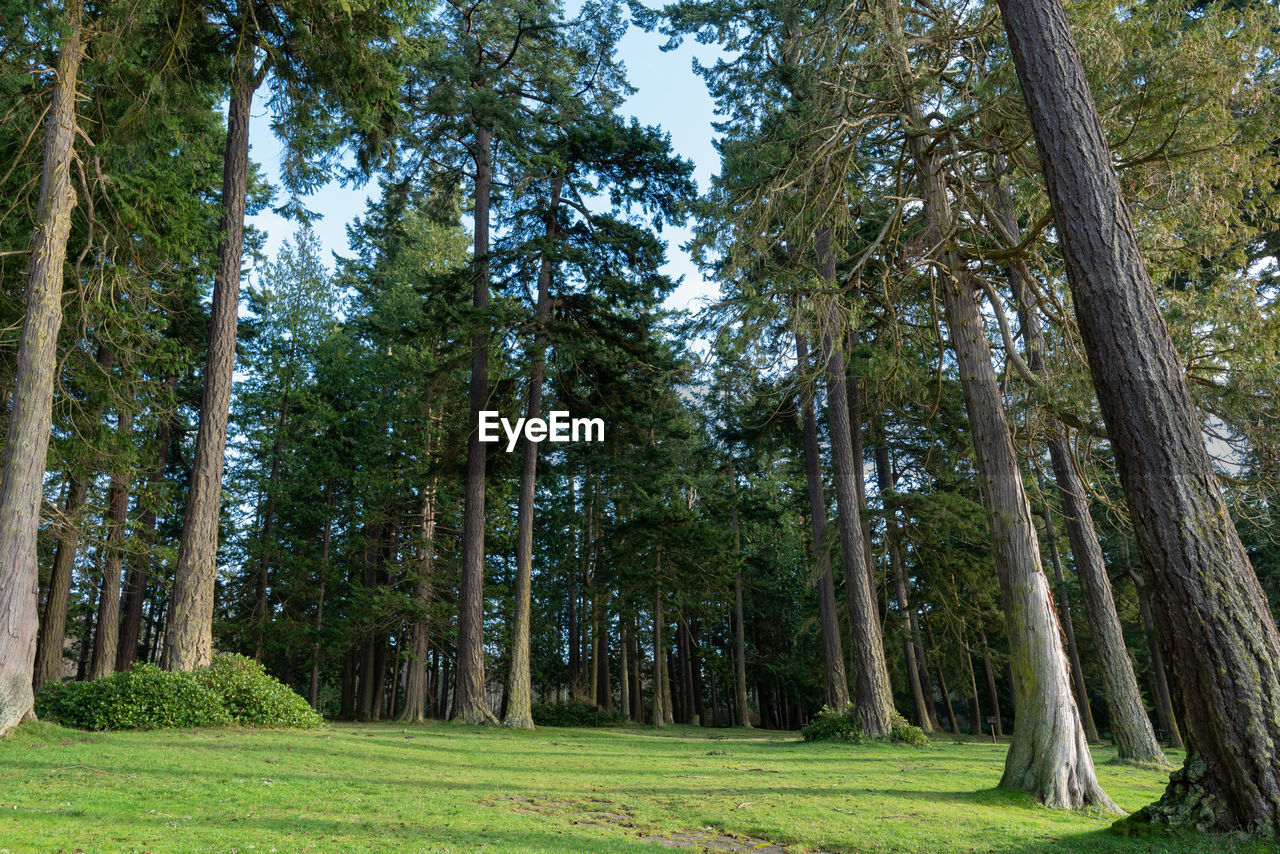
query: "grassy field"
387, 787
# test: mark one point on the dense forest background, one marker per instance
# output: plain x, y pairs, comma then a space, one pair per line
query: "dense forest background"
793, 506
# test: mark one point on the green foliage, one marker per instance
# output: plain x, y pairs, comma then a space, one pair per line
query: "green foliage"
144, 697
231, 690
251, 697
575, 714
902, 732
830, 725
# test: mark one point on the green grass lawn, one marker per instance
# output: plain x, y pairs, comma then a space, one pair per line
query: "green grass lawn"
387, 787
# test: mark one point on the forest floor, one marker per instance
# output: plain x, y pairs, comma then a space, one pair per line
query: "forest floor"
443, 787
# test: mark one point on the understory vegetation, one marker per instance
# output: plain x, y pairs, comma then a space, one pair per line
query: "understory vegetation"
232, 690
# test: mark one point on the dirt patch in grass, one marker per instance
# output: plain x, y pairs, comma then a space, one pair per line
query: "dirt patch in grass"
714, 840
594, 811
603, 813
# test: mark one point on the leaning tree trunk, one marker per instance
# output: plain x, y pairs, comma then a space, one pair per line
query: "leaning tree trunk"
1130, 727
872, 695
837, 685
519, 689
1131, 730
1048, 756
1068, 628
106, 640
189, 642
470, 704
27, 442
1213, 616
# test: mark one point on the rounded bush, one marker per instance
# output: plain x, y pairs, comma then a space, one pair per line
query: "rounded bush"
232, 690
832, 725
252, 697
901, 732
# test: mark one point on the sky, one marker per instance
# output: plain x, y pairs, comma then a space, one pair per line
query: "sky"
668, 94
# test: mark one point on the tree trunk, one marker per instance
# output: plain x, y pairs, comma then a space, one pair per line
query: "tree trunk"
262, 605
1130, 726
1068, 628
1213, 616
519, 690
27, 442
415, 683
885, 484
136, 590
189, 643
660, 703
872, 695
624, 683
837, 685
470, 704
313, 694
741, 717
1048, 756
975, 707
106, 641
53, 627
1164, 702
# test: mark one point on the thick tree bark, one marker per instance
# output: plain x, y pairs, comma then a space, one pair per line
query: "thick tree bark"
519, 690
1213, 616
53, 625
470, 704
885, 484
189, 643
1068, 627
1048, 756
135, 592
837, 685
872, 694
106, 641
27, 442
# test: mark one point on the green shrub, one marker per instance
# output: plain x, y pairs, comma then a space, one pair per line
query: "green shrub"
231, 690
252, 697
901, 732
830, 725
574, 713
144, 697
